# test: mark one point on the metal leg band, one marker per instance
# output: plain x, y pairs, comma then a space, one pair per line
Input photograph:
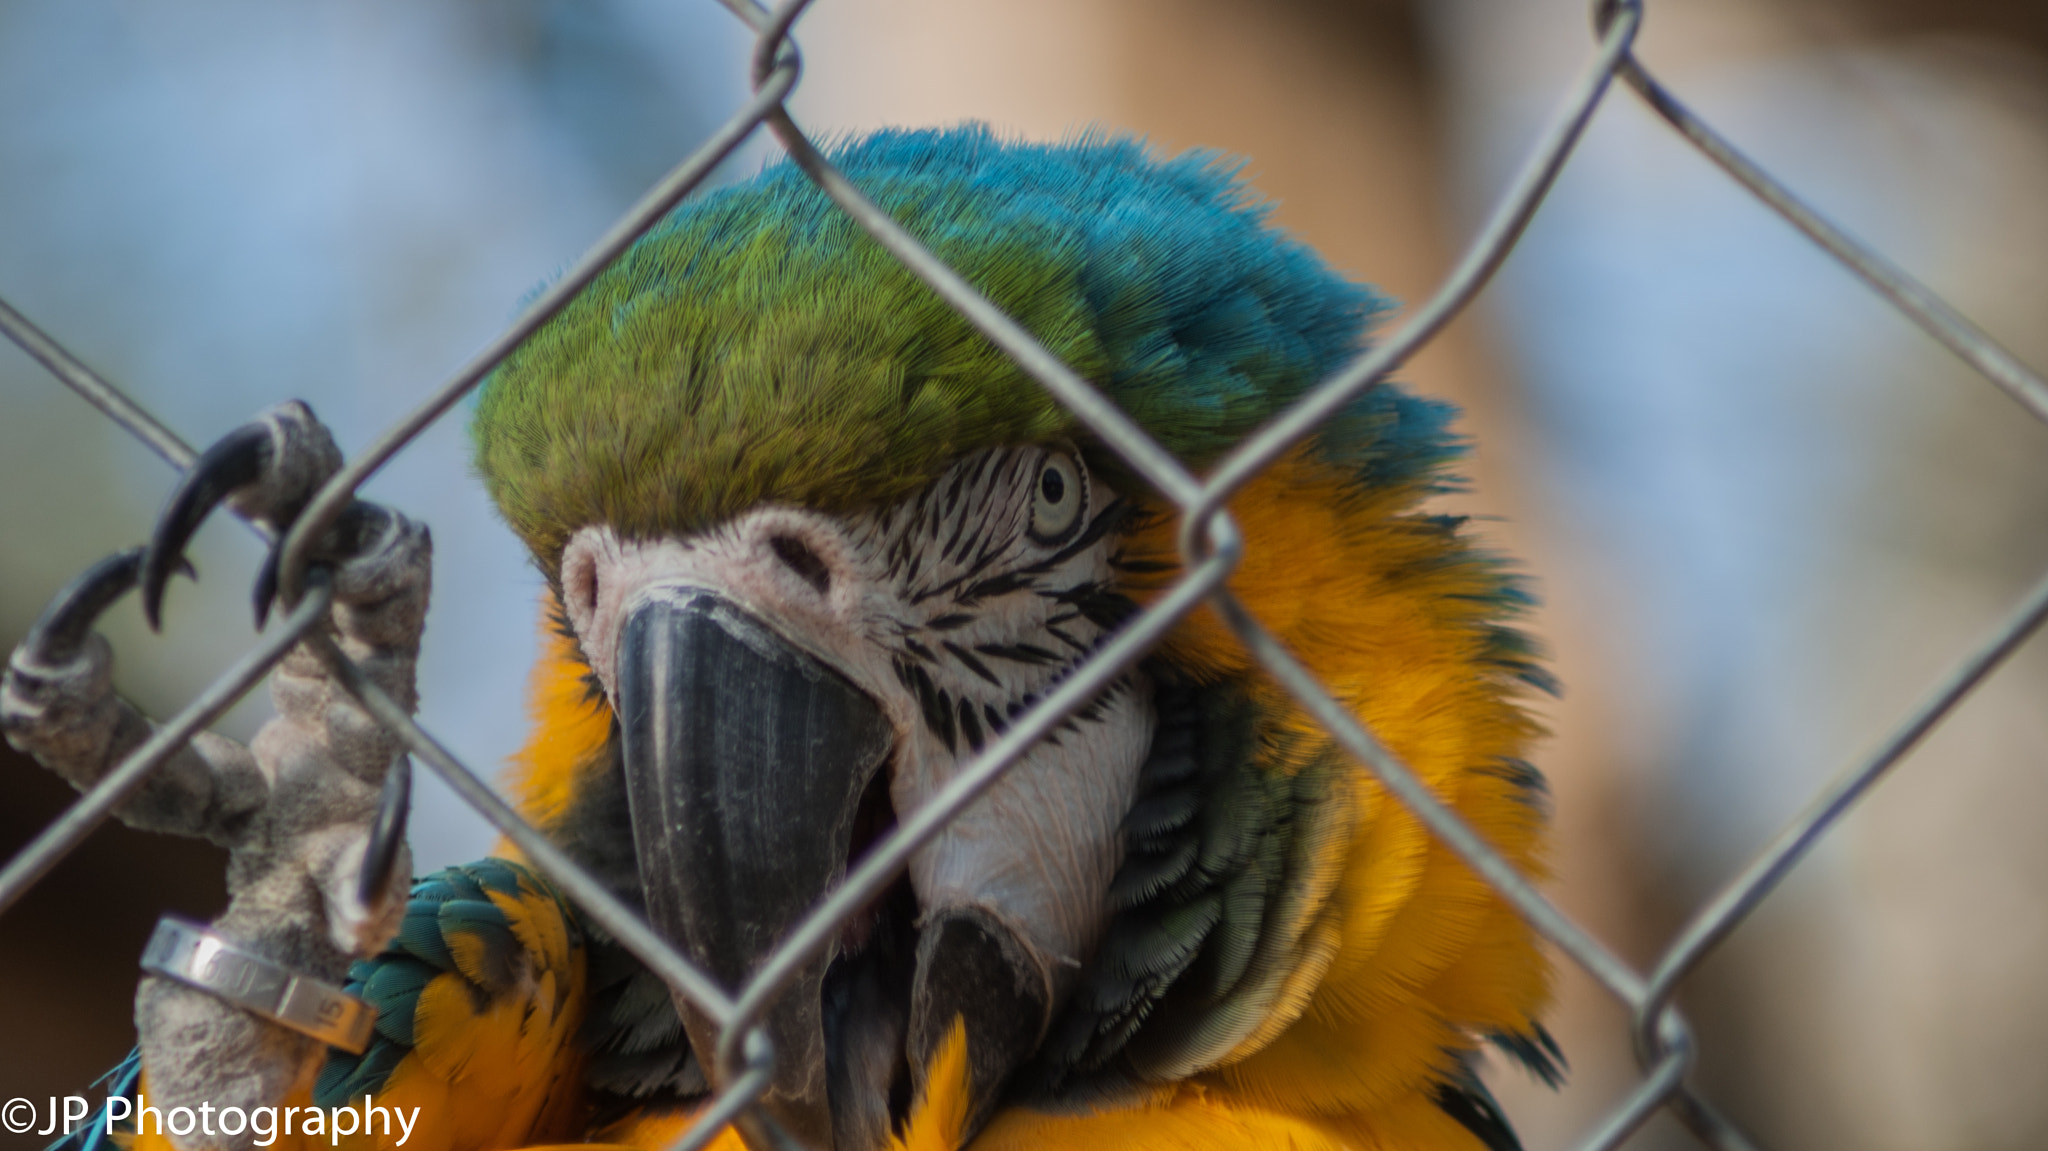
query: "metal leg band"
198, 958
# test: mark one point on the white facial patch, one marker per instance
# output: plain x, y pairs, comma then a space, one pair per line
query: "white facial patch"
956, 609
757, 561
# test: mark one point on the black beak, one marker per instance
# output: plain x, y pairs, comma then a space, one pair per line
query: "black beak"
745, 763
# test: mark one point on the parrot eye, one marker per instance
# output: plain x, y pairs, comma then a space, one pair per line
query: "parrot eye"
1060, 492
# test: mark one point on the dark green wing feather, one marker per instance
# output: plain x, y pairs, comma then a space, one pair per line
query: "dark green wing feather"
635, 1038
1208, 904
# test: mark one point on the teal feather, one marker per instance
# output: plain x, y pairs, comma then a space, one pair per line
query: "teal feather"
394, 988
121, 1079
445, 905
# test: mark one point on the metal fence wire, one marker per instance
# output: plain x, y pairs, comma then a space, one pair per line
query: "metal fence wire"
1210, 548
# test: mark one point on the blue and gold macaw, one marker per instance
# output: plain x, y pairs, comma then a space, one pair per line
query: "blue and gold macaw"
811, 542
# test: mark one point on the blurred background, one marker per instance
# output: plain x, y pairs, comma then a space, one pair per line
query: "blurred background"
1764, 511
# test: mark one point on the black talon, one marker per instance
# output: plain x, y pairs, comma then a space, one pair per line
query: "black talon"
394, 805
266, 583
351, 533
235, 461
353, 528
61, 629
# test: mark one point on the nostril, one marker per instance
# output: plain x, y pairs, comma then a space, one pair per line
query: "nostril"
799, 558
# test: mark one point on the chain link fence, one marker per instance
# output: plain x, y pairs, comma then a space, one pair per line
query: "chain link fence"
1210, 548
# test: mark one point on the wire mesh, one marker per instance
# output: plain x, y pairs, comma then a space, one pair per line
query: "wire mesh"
1210, 548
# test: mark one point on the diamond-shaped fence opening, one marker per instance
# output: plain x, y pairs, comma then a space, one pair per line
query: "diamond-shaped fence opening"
1210, 548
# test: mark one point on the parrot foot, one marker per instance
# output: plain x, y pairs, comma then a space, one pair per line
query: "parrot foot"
312, 811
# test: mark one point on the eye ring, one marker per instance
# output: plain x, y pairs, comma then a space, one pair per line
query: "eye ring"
1059, 497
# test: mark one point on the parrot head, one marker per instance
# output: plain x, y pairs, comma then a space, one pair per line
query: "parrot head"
813, 543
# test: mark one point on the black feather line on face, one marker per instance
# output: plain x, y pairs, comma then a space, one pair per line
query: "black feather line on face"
1109, 517
990, 550
942, 710
1070, 641
952, 503
1101, 605
1027, 653
930, 513
995, 585
936, 705
960, 518
972, 664
940, 589
970, 725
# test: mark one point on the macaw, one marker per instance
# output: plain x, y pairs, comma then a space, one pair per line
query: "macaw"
810, 542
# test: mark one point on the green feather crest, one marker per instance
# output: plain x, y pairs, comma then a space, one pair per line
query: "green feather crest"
757, 346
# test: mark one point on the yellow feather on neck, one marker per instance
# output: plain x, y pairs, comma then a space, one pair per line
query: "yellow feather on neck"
1392, 613
570, 726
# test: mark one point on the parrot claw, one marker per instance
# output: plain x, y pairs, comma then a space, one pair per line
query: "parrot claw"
387, 833
235, 461
265, 592
53, 693
268, 469
354, 531
59, 633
